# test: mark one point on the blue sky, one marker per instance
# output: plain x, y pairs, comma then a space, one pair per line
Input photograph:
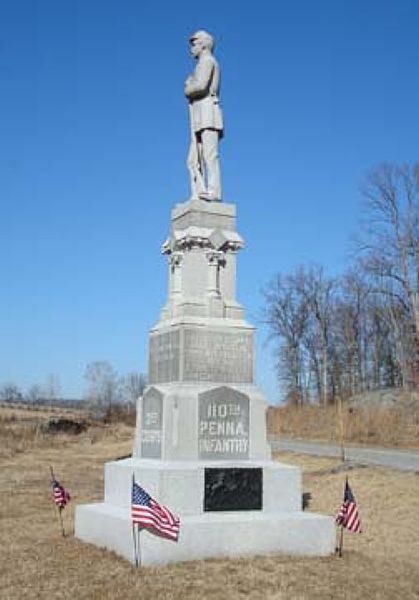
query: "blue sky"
93, 140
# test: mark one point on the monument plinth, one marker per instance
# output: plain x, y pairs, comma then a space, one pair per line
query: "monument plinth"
200, 446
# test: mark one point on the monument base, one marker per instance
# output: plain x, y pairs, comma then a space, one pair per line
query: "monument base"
206, 531
209, 535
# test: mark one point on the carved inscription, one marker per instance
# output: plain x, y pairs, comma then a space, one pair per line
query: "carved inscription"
151, 424
218, 356
164, 357
223, 424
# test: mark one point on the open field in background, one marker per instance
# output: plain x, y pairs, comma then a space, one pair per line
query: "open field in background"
36, 562
385, 419
22, 427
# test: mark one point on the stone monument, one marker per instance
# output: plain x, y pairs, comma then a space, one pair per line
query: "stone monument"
200, 446
206, 120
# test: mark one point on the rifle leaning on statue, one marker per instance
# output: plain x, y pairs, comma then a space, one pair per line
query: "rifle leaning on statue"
196, 164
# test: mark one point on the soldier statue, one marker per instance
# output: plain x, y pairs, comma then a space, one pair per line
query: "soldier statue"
202, 91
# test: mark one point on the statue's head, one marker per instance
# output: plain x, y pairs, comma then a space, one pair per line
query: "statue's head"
200, 41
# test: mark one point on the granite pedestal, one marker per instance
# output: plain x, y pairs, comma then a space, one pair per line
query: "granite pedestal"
200, 446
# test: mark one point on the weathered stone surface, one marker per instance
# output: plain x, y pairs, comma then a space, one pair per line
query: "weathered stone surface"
223, 426
225, 356
279, 527
209, 535
151, 424
181, 438
196, 354
162, 478
164, 362
199, 213
202, 251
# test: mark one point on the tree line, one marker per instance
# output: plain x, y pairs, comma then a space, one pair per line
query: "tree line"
338, 336
105, 387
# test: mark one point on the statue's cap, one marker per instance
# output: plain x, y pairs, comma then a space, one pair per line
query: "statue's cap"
204, 36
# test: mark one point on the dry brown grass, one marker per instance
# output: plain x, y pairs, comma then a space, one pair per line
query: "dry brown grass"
386, 426
36, 562
21, 427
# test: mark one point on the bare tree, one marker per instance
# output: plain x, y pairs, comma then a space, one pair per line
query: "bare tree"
34, 393
133, 385
351, 329
390, 247
318, 290
103, 384
286, 314
10, 392
51, 389
385, 366
359, 331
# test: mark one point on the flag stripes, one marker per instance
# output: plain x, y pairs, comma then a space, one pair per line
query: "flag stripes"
60, 495
348, 514
148, 513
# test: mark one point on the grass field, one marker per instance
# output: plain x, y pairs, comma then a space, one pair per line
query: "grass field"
372, 422
36, 562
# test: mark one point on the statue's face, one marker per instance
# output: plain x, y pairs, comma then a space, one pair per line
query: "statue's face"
197, 46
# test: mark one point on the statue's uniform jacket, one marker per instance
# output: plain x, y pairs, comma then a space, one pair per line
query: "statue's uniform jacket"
202, 92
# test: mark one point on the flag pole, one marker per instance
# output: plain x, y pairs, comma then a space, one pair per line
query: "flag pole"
59, 508
341, 429
133, 527
337, 541
135, 545
138, 546
341, 541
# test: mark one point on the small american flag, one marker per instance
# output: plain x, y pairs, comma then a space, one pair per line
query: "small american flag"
348, 515
60, 495
148, 513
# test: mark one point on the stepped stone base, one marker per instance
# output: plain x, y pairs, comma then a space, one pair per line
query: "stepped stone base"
200, 446
209, 535
278, 527
180, 485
